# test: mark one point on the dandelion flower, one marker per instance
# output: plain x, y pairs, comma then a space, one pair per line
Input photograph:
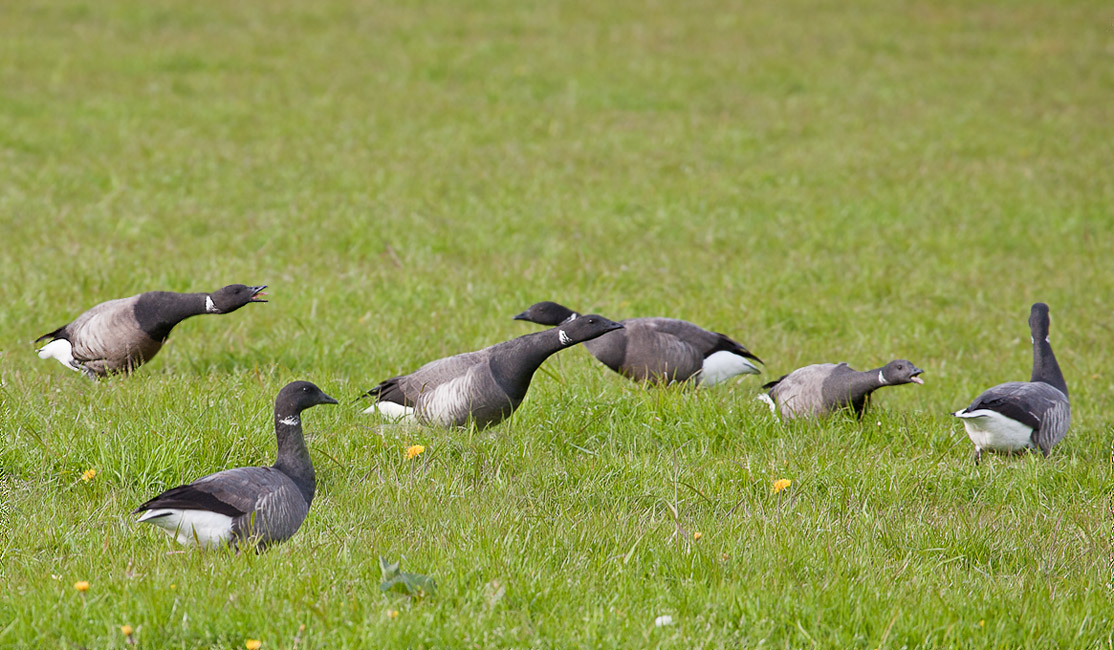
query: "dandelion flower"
781, 484
81, 585
415, 450
253, 644
697, 535
126, 630
88, 475
392, 614
663, 620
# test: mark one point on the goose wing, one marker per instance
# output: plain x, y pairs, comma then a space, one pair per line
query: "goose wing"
233, 492
406, 389
1009, 399
704, 341
663, 347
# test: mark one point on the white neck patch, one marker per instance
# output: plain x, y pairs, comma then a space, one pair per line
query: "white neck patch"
571, 318
564, 338
881, 379
291, 420
210, 307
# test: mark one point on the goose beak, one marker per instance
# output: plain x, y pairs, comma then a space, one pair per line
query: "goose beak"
615, 326
522, 316
256, 292
915, 378
327, 400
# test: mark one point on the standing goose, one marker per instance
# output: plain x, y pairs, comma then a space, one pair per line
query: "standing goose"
1021, 415
261, 504
482, 387
658, 350
120, 335
823, 388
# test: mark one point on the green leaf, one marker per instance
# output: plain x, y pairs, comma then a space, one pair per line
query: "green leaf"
410, 584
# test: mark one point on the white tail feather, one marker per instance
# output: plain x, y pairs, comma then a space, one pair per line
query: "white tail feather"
201, 527
59, 349
391, 410
723, 365
992, 431
769, 401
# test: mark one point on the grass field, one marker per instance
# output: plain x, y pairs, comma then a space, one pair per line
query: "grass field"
824, 181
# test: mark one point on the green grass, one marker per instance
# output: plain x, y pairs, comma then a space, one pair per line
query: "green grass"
825, 181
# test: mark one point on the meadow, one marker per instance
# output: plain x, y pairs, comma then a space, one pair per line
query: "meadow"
824, 181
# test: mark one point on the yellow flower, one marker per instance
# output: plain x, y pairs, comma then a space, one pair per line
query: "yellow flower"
81, 585
392, 614
697, 535
126, 630
88, 475
253, 644
982, 623
781, 484
414, 451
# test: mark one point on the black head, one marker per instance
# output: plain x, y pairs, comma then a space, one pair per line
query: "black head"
901, 371
547, 313
586, 328
234, 296
298, 396
1039, 322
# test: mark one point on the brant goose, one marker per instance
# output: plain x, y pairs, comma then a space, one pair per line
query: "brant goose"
482, 387
264, 505
120, 335
658, 350
823, 388
1022, 415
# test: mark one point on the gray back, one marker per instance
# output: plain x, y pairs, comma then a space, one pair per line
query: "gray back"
459, 389
272, 505
654, 349
801, 392
435, 373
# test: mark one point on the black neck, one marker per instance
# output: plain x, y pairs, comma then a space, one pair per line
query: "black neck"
514, 372
293, 455
866, 382
1045, 367
159, 311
